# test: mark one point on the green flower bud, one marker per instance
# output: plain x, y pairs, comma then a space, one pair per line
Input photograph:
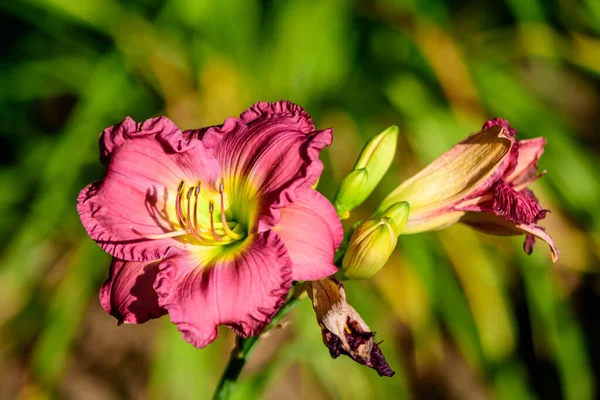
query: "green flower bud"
398, 213
350, 193
374, 160
370, 247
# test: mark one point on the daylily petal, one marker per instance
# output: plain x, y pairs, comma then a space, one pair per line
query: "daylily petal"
531, 232
496, 225
264, 113
311, 232
285, 111
526, 170
270, 152
135, 200
517, 207
128, 294
466, 169
241, 290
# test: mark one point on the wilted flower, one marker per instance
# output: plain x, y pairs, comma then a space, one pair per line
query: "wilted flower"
373, 241
371, 165
482, 181
343, 330
211, 226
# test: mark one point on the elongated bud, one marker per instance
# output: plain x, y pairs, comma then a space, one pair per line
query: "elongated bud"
373, 162
351, 192
370, 247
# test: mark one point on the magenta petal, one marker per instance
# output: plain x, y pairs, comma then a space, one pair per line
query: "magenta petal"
533, 232
242, 292
265, 113
128, 293
146, 162
272, 150
497, 225
311, 232
526, 170
518, 207
286, 112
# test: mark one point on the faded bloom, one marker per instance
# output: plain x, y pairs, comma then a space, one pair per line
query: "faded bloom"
373, 242
482, 181
211, 226
343, 330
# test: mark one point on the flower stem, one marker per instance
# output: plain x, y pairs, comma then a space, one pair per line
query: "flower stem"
241, 352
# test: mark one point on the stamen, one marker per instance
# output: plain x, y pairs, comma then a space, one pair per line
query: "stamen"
178, 208
159, 235
195, 225
226, 228
211, 209
189, 215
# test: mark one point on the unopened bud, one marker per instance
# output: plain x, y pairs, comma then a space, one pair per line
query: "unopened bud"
374, 161
350, 193
398, 213
370, 247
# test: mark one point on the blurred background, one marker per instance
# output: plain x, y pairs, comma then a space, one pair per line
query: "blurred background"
462, 315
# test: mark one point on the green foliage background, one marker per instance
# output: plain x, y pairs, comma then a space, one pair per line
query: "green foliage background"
463, 315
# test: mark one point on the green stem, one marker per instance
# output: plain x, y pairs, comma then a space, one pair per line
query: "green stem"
241, 352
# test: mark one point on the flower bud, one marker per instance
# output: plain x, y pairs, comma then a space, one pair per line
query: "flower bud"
370, 247
350, 194
398, 213
373, 162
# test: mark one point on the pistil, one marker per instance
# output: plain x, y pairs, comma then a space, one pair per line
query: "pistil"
226, 228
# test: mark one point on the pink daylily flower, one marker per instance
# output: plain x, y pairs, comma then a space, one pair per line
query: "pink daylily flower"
211, 226
482, 182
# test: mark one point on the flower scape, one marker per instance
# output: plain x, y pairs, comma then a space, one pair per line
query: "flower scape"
213, 226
